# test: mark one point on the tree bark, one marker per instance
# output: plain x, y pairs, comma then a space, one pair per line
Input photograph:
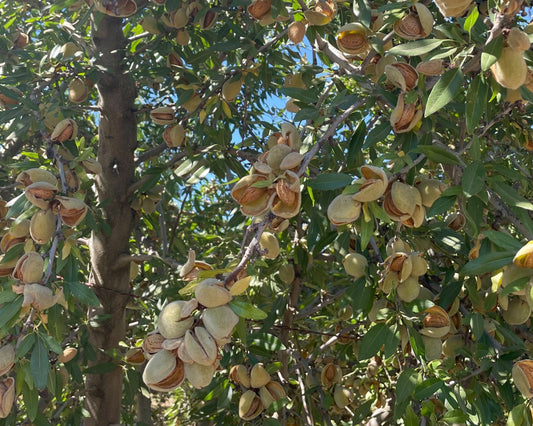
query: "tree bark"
117, 135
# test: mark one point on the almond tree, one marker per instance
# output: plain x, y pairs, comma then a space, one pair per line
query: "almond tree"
307, 212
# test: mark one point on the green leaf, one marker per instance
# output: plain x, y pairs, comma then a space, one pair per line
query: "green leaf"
39, 364
503, 240
441, 205
476, 324
25, 345
330, 181
367, 227
378, 133
438, 154
377, 336
474, 213
510, 195
102, 368
10, 310
520, 415
267, 341
52, 344
356, 142
515, 285
455, 416
362, 11
13, 253
304, 95
491, 53
444, 91
488, 262
31, 401
247, 310
16, 206
417, 48
471, 19
404, 388
476, 103
427, 388
473, 179
83, 293
411, 419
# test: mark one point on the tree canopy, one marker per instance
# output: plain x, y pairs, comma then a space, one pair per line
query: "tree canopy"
282, 212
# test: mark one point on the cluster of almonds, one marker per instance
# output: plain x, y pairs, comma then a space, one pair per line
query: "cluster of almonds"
510, 70
41, 189
174, 133
262, 390
188, 335
402, 202
7, 384
331, 378
516, 306
402, 269
272, 184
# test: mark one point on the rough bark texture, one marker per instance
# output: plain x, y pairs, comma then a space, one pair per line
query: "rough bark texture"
117, 142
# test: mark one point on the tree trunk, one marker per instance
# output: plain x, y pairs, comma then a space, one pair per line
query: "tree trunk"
117, 141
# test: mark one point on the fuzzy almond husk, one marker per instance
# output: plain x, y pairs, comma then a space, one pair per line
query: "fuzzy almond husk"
402, 75
343, 210
270, 245
212, 293
436, 322
518, 311
355, 264
122, 8
27, 177
40, 296
200, 346
374, 184
65, 130
164, 371
7, 396
71, 210
254, 201
220, 322
40, 194
453, 8
522, 373
404, 117
162, 115
7, 358
352, 39
510, 70
524, 256
239, 374
16, 235
43, 226
270, 393
432, 67
174, 136
172, 321
330, 375
77, 91
92, 166
153, 343
29, 268
259, 376
69, 354
199, 375
322, 13
297, 31
415, 25
250, 405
